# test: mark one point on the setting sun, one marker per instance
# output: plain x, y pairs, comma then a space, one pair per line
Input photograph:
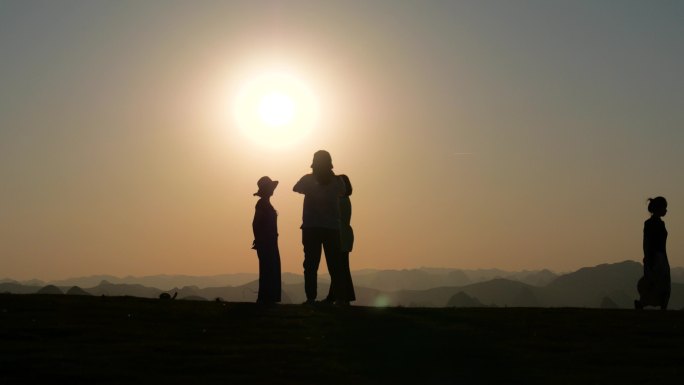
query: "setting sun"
276, 109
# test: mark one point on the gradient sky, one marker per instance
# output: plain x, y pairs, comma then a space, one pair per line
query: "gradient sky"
477, 134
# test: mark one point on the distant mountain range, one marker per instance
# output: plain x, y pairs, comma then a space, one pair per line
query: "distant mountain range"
607, 286
387, 280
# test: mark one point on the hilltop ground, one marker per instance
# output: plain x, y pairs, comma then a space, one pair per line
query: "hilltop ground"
126, 340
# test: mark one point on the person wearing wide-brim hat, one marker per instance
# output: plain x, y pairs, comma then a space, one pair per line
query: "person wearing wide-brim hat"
321, 224
265, 227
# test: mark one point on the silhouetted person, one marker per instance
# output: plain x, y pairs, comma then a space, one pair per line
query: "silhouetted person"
320, 222
346, 246
265, 227
654, 286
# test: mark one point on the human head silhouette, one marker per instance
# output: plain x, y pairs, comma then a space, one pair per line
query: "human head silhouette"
266, 187
322, 167
657, 206
322, 160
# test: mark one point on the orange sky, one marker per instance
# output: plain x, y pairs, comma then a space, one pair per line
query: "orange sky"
476, 134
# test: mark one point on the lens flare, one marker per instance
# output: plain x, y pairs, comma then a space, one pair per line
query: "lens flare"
381, 301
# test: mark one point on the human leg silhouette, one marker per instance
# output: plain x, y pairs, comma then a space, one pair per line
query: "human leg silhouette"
311, 239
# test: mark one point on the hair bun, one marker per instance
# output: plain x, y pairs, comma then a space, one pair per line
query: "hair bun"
656, 203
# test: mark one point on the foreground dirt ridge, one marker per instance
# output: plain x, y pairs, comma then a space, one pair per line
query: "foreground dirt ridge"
85, 340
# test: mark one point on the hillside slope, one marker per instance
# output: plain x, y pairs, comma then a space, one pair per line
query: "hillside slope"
103, 340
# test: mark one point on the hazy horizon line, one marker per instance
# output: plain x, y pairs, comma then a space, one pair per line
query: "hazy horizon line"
129, 276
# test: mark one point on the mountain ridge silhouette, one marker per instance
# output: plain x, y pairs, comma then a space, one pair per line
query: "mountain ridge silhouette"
594, 287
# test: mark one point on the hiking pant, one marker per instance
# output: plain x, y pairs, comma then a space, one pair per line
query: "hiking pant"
313, 239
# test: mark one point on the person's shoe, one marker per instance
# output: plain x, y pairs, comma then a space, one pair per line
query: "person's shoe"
309, 302
638, 305
326, 302
266, 303
342, 303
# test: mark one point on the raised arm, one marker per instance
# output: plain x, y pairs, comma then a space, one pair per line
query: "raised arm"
301, 185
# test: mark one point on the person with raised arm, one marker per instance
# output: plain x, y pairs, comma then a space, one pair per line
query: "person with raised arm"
321, 223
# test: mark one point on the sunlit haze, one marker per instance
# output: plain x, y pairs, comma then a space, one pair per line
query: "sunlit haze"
477, 134
275, 109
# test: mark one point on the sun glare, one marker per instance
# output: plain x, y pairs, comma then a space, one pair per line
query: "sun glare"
276, 109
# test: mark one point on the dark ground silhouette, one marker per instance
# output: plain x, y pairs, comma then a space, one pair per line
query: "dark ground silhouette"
168, 296
124, 340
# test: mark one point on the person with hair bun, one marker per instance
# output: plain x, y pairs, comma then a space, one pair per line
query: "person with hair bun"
654, 286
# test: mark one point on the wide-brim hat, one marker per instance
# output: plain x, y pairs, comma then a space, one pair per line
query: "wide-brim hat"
265, 184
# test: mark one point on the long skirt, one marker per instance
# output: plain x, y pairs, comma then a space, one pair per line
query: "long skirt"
654, 286
345, 290
269, 274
